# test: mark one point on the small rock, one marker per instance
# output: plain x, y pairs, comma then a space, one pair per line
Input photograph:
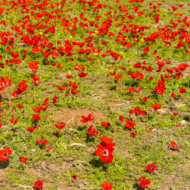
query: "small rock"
183, 122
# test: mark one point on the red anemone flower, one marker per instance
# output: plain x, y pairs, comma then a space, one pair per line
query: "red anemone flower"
30, 129
5, 153
38, 184
86, 119
159, 90
143, 113
74, 177
107, 185
92, 131
182, 90
129, 124
82, 74
144, 182
173, 94
43, 141
105, 140
13, 120
146, 50
105, 153
151, 167
54, 99
36, 117
105, 124
60, 125
49, 148
130, 111
121, 118
22, 159
61, 88
174, 145
156, 106
20, 106
133, 134
137, 111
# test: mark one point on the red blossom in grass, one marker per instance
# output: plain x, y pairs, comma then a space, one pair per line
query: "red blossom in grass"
156, 106
107, 185
46, 102
174, 145
105, 153
105, 124
74, 177
173, 94
36, 117
182, 90
20, 106
92, 131
121, 118
68, 76
49, 148
159, 90
146, 50
77, 67
144, 182
61, 88
143, 113
178, 125
130, 111
105, 140
5, 153
6, 80
54, 99
9, 104
38, 184
151, 167
82, 74
13, 120
33, 65
137, 111
145, 99
74, 91
42, 141
22, 159
37, 109
133, 134
129, 124
175, 114
30, 129
60, 125
86, 119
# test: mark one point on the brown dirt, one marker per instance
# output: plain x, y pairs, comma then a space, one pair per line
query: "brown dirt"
74, 116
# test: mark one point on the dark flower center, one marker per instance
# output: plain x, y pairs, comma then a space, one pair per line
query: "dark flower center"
151, 167
39, 184
105, 152
5, 155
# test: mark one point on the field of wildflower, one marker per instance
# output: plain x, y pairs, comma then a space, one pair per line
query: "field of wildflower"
94, 94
